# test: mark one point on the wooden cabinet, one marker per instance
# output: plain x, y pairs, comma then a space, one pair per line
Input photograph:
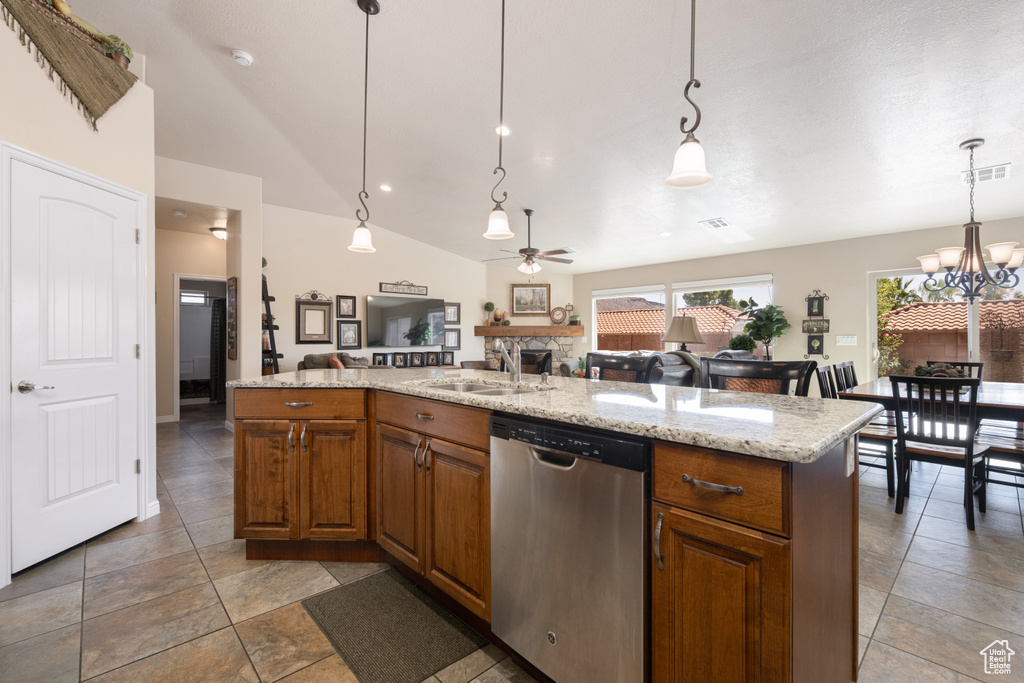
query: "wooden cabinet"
433, 502
302, 474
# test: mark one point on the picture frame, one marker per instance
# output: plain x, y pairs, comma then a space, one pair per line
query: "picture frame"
452, 339
380, 359
531, 300
350, 334
432, 359
345, 306
399, 360
817, 326
447, 358
313, 321
452, 313
815, 306
402, 287
231, 319
815, 345
416, 359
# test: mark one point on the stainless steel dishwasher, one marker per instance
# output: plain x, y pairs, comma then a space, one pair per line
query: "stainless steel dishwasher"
568, 529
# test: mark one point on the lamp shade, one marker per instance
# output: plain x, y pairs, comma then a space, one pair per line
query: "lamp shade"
929, 263
528, 268
683, 330
1002, 252
949, 256
689, 169
497, 225
361, 240
1017, 259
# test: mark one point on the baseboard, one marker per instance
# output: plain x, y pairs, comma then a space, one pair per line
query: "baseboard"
229, 425
165, 418
153, 509
193, 401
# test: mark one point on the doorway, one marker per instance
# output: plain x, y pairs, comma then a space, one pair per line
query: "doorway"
201, 350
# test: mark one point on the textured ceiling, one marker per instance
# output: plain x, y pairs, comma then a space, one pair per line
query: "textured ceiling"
821, 120
198, 218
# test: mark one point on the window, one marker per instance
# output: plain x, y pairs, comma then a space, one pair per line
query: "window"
194, 298
715, 305
630, 318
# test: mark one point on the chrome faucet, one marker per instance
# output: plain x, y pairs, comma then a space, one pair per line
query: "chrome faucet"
515, 367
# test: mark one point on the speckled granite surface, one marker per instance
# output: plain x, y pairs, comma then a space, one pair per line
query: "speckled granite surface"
768, 426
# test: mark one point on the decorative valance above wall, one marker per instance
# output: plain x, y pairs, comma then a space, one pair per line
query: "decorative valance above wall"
85, 75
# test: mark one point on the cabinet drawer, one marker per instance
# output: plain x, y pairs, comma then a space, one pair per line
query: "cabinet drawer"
323, 404
456, 423
764, 503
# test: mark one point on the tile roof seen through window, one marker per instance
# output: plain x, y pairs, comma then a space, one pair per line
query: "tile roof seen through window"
950, 315
715, 319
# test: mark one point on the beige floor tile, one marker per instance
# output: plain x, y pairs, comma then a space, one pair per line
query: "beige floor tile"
51, 657
871, 603
983, 602
217, 657
57, 571
167, 519
940, 637
988, 540
882, 519
891, 543
227, 558
504, 671
885, 664
878, 571
347, 572
200, 510
270, 586
116, 555
871, 496
471, 666
283, 641
128, 635
38, 613
862, 647
227, 462
1008, 523
116, 590
998, 570
998, 499
205, 474
330, 670
202, 491
211, 531
874, 478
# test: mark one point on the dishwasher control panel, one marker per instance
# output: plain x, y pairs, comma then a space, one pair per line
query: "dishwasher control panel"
632, 454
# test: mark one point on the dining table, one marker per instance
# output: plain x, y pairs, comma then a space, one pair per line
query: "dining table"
996, 400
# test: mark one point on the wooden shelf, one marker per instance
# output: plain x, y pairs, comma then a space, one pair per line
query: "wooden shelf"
528, 331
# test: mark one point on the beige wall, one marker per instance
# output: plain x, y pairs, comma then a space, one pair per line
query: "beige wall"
188, 254
242, 193
840, 269
499, 290
307, 251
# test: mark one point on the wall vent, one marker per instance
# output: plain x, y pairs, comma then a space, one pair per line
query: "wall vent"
982, 175
713, 223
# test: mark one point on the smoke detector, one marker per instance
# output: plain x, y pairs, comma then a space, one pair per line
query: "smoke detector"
180, 213
242, 58
988, 173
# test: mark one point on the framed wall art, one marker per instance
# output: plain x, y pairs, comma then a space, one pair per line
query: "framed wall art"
815, 345
313, 321
345, 306
232, 318
350, 334
531, 300
452, 340
452, 313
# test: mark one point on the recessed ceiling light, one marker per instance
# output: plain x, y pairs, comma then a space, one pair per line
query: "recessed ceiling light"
242, 58
664, 234
178, 213
386, 188
219, 233
502, 130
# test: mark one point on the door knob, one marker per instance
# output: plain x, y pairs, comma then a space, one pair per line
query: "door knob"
26, 387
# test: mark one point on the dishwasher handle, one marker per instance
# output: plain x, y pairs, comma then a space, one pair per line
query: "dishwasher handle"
554, 459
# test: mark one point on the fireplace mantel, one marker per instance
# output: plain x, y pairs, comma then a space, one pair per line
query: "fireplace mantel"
528, 331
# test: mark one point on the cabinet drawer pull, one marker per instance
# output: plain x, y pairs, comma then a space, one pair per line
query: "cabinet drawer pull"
657, 541
416, 455
721, 488
296, 404
425, 416
291, 438
302, 438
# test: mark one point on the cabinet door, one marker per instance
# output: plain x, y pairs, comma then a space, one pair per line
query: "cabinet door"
333, 480
458, 522
721, 605
266, 479
400, 503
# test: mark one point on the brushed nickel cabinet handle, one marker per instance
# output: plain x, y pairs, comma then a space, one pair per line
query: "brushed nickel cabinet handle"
416, 455
721, 488
424, 416
657, 541
297, 404
291, 438
426, 452
302, 438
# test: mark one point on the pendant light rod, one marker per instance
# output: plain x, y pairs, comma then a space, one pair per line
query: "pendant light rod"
693, 82
501, 114
366, 7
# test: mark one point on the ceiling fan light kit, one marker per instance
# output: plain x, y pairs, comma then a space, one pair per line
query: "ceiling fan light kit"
497, 223
362, 240
689, 167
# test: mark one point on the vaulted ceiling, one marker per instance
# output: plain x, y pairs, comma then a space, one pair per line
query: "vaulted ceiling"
821, 120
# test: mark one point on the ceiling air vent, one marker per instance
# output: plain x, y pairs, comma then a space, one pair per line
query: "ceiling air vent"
713, 223
982, 175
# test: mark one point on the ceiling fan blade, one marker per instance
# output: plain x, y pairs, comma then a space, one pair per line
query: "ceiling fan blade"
509, 251
541, 257
554, 252
500, 258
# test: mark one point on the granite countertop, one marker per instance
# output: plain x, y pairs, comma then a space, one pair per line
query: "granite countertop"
786, 428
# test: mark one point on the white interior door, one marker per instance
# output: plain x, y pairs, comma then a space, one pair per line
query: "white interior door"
74, 329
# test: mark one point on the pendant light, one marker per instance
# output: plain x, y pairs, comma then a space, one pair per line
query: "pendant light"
689, 170
361, 239
965, 266
497, 224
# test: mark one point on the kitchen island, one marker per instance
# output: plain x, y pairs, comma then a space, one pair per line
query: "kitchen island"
753, 503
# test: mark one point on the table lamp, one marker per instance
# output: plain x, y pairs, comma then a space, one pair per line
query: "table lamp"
683, 330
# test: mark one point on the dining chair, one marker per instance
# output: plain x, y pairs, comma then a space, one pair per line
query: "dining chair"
849, 375
935, 423
757, 376
534, 362
876, 440
636, 369
969, 369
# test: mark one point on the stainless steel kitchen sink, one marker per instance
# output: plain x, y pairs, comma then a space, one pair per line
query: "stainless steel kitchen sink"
461, 387
510, 391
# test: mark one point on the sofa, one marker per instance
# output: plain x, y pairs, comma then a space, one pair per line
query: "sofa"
321, 361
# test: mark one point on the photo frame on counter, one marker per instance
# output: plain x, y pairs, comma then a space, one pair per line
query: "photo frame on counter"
530, 299
432, 359
452, 313
447, 358
452, 340
416, 359
345, 306
380, 359
350, 334
313, 321
399, 360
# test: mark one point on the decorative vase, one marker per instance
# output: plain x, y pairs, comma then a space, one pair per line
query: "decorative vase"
119, 58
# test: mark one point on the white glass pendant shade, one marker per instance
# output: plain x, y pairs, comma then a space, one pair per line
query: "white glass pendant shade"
689, 169
529, 268
220, 233
362, 242
949, 256
1016, 259
497, 225
929, 263
1002, 252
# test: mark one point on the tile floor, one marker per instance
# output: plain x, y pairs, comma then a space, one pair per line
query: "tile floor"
174, 599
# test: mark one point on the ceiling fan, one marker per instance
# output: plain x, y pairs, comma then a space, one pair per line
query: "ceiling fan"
530, 255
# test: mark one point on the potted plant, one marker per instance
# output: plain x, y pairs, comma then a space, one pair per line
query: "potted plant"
489, 308
767, 323
743, 342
